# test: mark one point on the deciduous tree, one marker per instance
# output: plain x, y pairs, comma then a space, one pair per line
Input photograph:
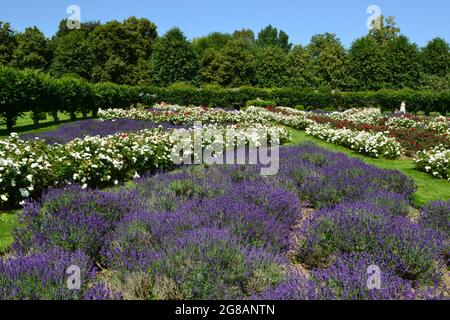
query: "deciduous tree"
300, 68
32, 50
436, 57
72, 54
403, 63
271, 67
214, 40
7, 43
118, 49
383, 30
269, 36
232, 66
329, 60
173, 59
247, 35
367, 64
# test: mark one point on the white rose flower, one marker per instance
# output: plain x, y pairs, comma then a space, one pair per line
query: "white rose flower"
24, 193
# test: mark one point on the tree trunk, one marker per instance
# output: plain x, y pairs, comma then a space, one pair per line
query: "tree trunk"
36, 119
73, 116
55, 117
9, 125
85, 115
94, 113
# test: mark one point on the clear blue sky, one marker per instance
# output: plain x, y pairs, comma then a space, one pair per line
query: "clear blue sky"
420, 20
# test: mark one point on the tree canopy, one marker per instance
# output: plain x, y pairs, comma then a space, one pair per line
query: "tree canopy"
173, 59
270, 36
32, 50
232, 66
436, 57
7, 43
131, 52
120, 49
271, 67
368, 65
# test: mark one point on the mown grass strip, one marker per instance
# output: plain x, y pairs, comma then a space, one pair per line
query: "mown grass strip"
8, 221
25, 124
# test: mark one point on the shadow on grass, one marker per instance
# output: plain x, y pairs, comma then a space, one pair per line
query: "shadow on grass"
44, 126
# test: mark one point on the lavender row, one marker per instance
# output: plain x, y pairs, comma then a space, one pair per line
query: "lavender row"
225, 232
81, 129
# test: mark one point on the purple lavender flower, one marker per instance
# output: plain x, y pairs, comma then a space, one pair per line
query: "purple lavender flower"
326, 179
414, 253
81, 129
436, 215
72, 219
42, 276
222, 232
100, 291
396, 204
134, 244
295, 286
346, 279
260, 214
211, 264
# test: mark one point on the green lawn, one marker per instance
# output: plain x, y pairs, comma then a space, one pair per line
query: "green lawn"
7, 222
428, 188
25, 124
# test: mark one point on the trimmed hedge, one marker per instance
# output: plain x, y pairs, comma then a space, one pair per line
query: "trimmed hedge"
261, 103
36, 92
30, 90
387, 100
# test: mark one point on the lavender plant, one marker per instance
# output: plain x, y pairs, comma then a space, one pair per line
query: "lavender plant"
73, 219
224, 232
42, 276
436, 215
326, 179
347, 279
81, 129
211, 264
414, 253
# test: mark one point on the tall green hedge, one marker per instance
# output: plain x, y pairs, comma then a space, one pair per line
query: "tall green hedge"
29, 90
36, 92
387, 100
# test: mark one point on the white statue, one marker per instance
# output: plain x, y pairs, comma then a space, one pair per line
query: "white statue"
403, 107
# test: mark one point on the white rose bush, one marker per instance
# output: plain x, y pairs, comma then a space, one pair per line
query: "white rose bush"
286, 116
181, 115
360, 116
401, 123
372, 144
435, 161
377, 136
439, 124
95, 161
24, 168
29, 167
